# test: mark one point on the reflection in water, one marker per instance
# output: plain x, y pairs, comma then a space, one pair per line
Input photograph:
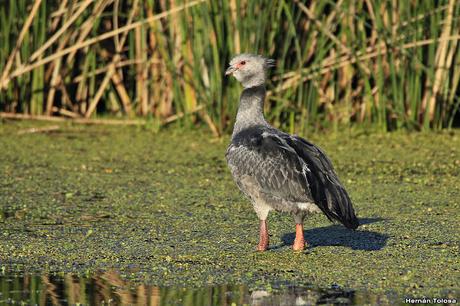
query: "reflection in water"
108, 288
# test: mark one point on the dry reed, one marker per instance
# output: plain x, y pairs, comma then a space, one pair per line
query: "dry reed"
374, 63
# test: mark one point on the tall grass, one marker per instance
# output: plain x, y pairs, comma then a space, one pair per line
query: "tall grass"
387, 64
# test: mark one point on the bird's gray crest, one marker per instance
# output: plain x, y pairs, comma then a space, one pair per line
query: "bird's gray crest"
269, 63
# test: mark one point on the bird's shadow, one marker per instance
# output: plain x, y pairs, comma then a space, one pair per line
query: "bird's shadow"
337, 235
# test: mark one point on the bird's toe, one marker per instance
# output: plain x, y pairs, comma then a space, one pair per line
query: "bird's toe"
299, 245
262, 247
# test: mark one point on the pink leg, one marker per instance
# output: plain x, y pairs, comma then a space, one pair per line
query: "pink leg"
299, 242
263, 236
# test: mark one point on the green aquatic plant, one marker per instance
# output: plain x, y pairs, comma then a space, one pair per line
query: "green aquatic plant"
162, 209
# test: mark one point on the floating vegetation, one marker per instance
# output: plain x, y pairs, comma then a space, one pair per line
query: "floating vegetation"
162, 209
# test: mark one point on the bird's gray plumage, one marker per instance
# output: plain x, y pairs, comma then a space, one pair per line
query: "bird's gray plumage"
275, 170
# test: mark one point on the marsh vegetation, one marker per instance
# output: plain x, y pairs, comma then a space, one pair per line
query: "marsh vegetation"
385, 64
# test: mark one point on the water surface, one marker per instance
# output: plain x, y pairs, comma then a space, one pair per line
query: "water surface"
109, 288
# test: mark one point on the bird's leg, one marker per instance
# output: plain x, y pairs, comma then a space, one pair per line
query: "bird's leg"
263, 236
299, 242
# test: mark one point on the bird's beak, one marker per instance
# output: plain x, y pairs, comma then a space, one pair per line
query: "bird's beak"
230, 70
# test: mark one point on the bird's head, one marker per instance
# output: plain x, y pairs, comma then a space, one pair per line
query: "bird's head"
249, 69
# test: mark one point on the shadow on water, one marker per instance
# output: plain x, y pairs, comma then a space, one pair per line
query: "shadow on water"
108, 288
337, 235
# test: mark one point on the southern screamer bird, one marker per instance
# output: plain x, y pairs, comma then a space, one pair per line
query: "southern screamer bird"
275, 170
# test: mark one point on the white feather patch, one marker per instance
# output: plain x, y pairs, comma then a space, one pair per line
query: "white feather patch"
305, 169
309, 207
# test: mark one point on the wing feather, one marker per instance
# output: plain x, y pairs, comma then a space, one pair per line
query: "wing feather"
291, 168
326, 188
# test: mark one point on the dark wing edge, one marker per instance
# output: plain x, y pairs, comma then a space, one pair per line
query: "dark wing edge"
326, 189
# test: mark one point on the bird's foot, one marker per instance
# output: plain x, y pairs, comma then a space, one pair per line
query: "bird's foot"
263, 236
299, 245
299, 241
262, 246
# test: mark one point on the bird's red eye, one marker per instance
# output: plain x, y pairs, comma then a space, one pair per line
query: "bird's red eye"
243, 63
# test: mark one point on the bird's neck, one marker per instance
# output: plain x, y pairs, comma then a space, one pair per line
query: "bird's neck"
251, 109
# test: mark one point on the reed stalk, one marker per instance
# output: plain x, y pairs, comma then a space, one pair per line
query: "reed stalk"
386, 64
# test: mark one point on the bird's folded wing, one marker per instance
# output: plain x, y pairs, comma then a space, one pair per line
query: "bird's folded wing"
292, 169
275, 166
326, 188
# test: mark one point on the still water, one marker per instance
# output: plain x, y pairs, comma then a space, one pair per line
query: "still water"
108, 288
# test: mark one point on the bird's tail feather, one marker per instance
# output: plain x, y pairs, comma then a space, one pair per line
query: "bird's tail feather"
340, 205
325, 186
